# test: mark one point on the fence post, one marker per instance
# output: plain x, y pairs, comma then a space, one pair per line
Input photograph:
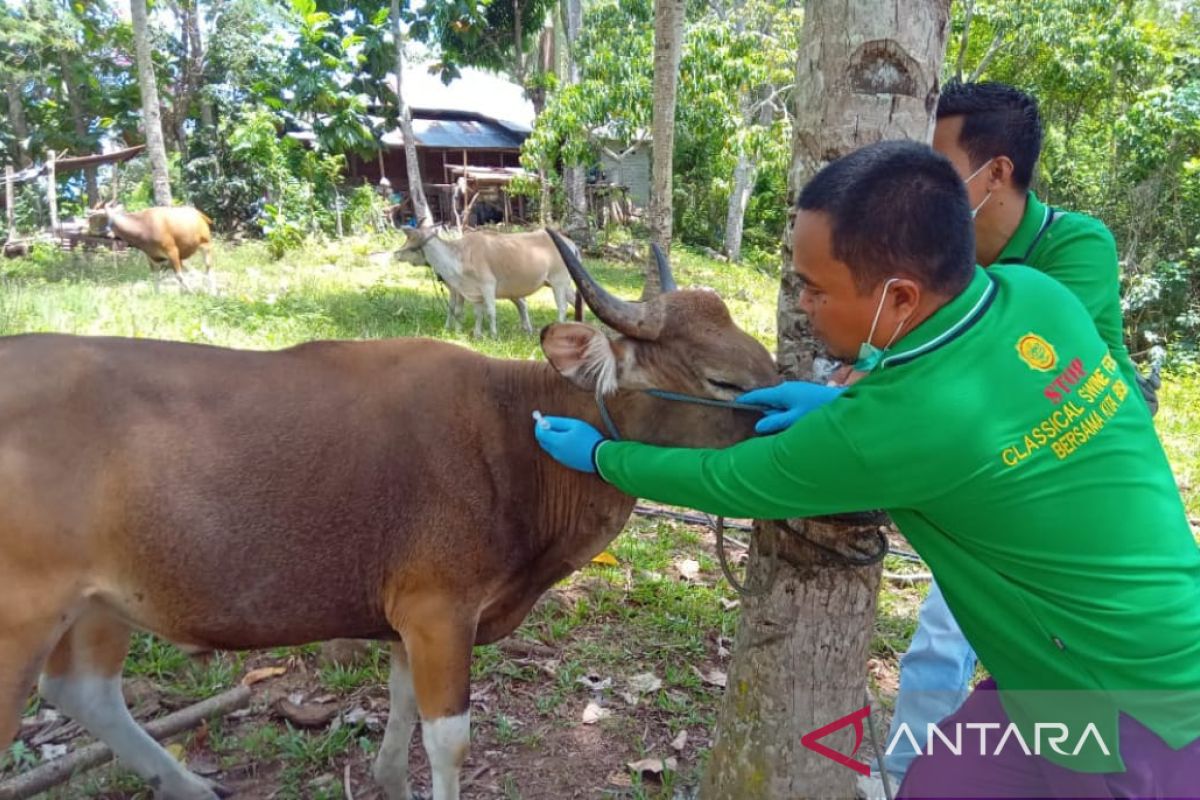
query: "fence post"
9, 202
52, 183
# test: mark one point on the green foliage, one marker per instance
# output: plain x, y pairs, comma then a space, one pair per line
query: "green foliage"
366, 211
483, 33
255, 177
735, 71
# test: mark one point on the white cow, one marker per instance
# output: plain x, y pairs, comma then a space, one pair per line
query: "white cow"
485, 265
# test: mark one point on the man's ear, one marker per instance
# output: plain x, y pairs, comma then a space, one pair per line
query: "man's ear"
906, 297
583, 355
1000, 172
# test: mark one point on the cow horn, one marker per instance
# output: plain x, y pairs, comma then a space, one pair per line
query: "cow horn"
632, 319
665, 279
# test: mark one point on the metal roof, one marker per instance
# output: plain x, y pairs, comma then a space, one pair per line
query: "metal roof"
458, 134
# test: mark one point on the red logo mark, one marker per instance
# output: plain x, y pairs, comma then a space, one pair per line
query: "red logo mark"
810, 740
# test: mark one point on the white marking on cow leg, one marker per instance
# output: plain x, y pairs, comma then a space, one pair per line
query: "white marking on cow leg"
523, 312
446, 742
97, 704
391, 765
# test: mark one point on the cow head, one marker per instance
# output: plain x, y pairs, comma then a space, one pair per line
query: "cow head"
98, 216
681, 341
412, 251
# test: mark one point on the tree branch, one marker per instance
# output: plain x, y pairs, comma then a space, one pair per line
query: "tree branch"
964, 41
996, 46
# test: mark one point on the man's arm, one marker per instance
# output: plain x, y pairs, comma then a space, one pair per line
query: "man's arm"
810, 469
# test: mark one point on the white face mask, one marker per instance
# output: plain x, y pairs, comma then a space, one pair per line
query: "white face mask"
987, 196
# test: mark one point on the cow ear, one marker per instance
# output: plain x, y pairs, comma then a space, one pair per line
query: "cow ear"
583, 355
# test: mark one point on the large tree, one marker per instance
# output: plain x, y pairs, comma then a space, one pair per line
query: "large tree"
574, 178
151, 120
416, 188
866, 71
669, 18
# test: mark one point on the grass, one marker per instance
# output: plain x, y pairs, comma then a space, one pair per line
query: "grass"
346, 289
605, 623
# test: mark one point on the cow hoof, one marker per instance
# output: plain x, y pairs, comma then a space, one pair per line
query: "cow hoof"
193, 788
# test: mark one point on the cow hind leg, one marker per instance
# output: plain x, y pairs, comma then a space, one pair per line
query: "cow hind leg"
209, 278
82, 679
391, 765
22, 650
523, 313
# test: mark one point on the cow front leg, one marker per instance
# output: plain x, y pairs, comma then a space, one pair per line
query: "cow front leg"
454, 310
439, 642
488, 291
391, 765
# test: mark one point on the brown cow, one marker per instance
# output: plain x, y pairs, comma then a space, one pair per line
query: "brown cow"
167, 235
385, 490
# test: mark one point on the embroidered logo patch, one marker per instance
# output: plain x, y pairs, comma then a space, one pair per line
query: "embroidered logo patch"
1037, 352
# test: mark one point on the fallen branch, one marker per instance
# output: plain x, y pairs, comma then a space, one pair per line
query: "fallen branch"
523, 649
62, 769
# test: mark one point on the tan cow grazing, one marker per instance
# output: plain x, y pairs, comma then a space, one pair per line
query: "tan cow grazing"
166, 234
485, 265
388, 490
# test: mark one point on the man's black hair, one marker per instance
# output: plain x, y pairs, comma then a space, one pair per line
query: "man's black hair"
896, 207
998, 120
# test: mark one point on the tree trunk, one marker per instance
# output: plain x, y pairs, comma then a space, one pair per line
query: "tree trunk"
196, 67
866, 71
416, 189
150, 112
74, 90
668, 46
744, 175
16, 115
183, 89
574, 177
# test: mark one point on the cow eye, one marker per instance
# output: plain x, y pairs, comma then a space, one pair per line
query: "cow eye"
726, 386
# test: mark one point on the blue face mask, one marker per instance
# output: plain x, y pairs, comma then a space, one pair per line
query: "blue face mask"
870, 356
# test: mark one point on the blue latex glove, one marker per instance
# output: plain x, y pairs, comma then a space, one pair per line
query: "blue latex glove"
572, 442
788, 402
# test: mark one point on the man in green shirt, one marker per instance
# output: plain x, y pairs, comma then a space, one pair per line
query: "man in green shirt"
999, 432
992, 134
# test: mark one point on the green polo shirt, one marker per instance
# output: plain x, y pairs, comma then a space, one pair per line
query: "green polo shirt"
1008, 446
1079, 252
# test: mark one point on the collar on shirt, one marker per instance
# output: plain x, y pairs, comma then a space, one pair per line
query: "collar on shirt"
947, 323
1033, 221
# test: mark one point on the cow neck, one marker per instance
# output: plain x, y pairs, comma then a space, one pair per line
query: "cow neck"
445, 261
